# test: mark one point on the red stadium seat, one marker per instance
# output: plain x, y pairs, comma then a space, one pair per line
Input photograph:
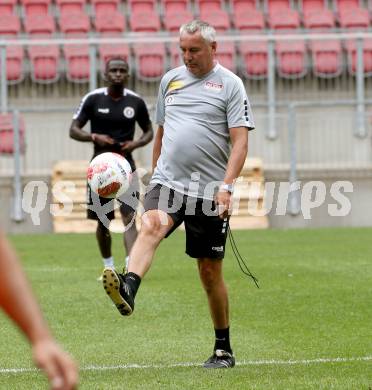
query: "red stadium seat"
70, 6
291, 59
173, 21
356, 18
206, 6
111, 22
284, 20
326, 58
150, 61
74, 24
320, 20
255, 59
145, 22
218, 18
107, 51
225, 55
105, 6
175, 6
14, 64
9, 25
243, 6
249, 20
7, 134
7, 6
44, 63
346, 5
351, 49
142, 6
273, 6
41, 25
36, 7
77, 61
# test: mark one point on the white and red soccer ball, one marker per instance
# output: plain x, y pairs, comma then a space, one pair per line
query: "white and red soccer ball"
109, 175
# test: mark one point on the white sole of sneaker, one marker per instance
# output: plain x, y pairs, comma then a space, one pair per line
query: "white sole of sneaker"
111, 284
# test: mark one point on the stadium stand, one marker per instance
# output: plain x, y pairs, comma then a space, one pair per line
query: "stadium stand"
255, 59
105, 6
316, 15
7, 134
75, 24
150, 61
205, 6
326, 58
173, 20
146, 21
172, 7
142, 6
77, 61
39, 25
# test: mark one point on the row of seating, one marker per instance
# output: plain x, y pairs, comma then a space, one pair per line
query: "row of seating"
144, 16
149, 61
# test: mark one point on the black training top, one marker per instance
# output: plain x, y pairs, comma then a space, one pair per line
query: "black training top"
115, 118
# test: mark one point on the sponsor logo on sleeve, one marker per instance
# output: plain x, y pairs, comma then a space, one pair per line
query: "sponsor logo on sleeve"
175, 85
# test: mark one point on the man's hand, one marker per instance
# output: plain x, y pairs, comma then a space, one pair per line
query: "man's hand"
60, 369
223, 200
128, 146
102, 139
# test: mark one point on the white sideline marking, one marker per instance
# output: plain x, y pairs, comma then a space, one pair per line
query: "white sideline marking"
241, 363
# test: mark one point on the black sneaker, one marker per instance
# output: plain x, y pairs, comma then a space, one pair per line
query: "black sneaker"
220, 359
119, 291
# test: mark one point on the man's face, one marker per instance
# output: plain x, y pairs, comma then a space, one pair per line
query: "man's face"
198, 54
117, 73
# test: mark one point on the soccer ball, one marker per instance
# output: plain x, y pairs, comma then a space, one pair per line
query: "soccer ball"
109, 175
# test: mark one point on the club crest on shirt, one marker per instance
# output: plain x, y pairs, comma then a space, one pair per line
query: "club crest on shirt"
213, 86
128, 112
169, 100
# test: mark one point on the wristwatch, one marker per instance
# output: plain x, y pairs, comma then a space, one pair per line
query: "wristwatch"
227, 188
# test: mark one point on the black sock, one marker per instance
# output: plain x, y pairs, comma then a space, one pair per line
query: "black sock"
222, 339
133, 281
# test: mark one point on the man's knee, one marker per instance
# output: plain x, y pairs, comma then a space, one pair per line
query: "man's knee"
210, 272
155, 224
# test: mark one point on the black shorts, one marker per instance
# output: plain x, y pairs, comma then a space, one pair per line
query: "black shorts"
101, 209
206, 232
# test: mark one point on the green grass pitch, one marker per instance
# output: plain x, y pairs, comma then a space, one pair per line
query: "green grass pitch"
309, 326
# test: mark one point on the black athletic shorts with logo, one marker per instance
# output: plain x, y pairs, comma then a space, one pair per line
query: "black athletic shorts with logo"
206, 232
128, 201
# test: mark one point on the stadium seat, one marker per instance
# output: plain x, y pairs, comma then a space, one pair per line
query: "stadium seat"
147, 21
107, 51
142, 6
36, 7
320, 20
242, 6
291, 59
351, 49
44, 63
175, 6
39, 25
74, 24
70, 6
326, 58
225, 55
110, 22
205, 6
150, 61
218, 18
249, 20
284, 20
255, 59
173, 20
77, 62
355, 18
7, 7
14, 64
9, 25
7, 134
105, 6
346, 5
